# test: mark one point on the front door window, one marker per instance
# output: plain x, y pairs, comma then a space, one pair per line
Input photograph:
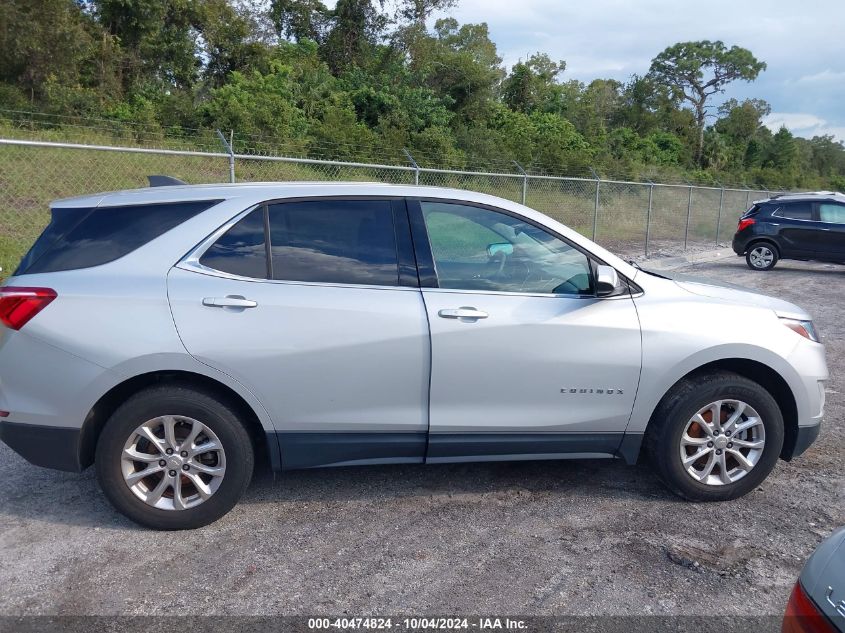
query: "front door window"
480, 249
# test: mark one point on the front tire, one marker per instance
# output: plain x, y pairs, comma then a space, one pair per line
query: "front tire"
761, 256
174, 458
715, 437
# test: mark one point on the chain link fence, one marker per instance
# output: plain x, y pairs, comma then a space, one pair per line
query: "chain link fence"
630, 218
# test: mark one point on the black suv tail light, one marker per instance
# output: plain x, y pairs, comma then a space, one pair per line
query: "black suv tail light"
744, 223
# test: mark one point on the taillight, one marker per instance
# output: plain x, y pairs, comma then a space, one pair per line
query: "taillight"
19, 305
802, 616
745, 223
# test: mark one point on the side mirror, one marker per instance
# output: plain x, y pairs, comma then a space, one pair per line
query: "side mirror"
504, 247
607, 280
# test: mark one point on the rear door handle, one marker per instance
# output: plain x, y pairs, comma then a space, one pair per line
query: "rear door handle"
229, 301
466, 314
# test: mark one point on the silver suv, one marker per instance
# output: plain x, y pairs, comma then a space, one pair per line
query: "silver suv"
173, 335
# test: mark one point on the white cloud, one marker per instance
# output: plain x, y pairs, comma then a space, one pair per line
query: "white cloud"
803, 124
826, 76
792, 121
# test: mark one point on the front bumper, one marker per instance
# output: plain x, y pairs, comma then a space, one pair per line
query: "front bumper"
805, 437
49, 446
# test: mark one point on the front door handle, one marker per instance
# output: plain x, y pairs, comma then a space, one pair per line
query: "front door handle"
465, 314
229, 301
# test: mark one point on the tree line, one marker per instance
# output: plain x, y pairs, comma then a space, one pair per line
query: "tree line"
366, 79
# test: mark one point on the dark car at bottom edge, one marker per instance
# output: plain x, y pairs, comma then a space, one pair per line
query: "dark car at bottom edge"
817, 603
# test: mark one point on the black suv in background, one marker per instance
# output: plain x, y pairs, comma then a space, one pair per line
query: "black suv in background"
792, 226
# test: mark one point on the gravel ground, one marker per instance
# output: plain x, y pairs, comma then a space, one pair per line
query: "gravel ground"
556, 538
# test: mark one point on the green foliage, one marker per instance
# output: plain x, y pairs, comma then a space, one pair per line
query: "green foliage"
695, 71
259, 105
368, 78
299, 19
532, 85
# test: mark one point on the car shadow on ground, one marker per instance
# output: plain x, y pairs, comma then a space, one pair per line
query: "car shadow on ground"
789, 267
36, 495
385, 483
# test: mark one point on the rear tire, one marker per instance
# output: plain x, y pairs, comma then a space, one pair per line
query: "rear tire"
761, 256
675, 434
198, 453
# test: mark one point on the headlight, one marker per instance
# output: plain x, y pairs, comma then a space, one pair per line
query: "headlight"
804, 328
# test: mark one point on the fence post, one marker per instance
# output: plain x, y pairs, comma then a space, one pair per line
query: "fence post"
524, 181
721, 206
747, 197
596, 210
689, 215
230, 151
414, 165
648, 216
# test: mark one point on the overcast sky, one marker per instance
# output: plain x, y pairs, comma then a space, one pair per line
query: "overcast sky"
802, 42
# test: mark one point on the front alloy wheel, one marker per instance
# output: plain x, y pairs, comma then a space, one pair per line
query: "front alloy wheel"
722, 442
715, 436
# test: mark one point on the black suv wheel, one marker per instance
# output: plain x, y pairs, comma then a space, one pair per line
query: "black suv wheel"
761, 256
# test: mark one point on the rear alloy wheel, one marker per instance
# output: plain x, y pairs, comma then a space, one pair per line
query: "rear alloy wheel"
173, 462
715, 436
761, 257
174, 458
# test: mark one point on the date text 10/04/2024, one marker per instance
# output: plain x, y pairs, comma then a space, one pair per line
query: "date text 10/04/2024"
417, 624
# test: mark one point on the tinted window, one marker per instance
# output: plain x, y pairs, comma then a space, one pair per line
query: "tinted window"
241, 250
61, 221
796, 211
334, 241
480, 249
84, 238
829, 212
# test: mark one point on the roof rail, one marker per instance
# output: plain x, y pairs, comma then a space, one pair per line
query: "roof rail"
164, 181
806, 193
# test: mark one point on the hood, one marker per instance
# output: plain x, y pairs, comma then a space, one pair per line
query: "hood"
737, 294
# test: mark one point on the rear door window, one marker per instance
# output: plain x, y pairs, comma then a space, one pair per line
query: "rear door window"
796, 211
82, 238
334, 241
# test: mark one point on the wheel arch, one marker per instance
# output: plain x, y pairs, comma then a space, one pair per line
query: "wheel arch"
754, 370
266, 447
764, 240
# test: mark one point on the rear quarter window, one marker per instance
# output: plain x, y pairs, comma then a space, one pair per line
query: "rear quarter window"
242, 249
82, 238
795, 211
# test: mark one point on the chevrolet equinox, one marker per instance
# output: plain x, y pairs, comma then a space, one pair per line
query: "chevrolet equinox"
173, 335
